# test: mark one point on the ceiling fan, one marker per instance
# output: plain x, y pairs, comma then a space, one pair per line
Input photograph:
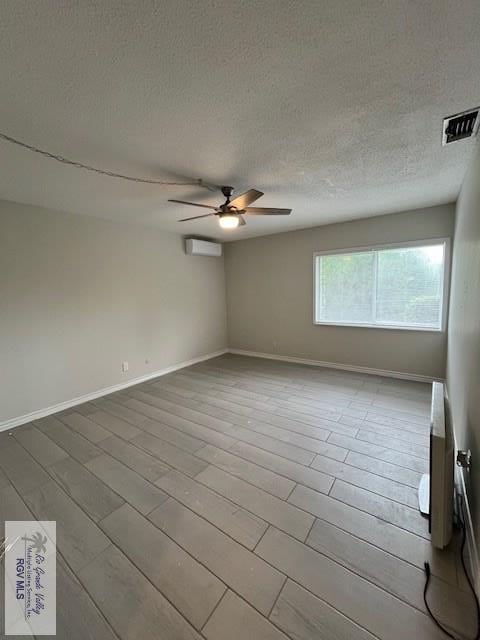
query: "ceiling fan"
231, 211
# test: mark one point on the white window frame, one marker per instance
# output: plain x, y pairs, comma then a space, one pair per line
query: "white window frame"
377, 247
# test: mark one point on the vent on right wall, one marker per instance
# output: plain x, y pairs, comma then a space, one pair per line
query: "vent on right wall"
460, 126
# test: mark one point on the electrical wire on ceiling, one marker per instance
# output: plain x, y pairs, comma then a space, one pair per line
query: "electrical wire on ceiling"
461, 524
111, 174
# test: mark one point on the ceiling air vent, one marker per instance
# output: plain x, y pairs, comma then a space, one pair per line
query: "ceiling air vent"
459, 126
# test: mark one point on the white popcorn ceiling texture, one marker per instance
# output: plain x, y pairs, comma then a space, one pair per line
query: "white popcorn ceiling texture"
332, 108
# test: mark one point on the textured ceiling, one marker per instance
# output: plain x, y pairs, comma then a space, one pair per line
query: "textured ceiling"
333, 108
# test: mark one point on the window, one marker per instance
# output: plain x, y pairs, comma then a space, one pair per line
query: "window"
395, 286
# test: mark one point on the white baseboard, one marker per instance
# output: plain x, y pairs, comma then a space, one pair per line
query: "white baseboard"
41, 413
335, 365
47, 411
471, 541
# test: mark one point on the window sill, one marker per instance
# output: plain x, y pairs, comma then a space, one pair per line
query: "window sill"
394, 327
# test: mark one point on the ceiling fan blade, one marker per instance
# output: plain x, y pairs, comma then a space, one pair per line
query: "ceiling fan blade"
242, 221
194, 204
241, 202
207, 215
266, 211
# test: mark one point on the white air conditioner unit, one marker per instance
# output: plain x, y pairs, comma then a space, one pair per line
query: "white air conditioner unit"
195, 247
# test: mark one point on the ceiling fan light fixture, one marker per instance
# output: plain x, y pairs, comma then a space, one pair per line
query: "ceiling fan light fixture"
228, 221
230, 213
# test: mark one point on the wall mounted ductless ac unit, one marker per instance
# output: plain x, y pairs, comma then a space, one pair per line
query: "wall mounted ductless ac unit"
195, 247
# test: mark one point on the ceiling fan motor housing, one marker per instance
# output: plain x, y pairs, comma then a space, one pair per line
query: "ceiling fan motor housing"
227, 192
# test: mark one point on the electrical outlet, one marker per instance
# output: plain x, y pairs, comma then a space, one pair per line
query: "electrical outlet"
125, 366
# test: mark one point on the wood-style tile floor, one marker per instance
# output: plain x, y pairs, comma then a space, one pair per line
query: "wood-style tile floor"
238, 499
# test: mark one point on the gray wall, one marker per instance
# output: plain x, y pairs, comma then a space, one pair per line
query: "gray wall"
79, 295
270, 296
463, 362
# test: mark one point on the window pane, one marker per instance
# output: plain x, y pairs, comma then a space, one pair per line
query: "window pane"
346, 288
410, 286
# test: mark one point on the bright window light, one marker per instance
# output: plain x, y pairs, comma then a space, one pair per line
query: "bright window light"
398, 286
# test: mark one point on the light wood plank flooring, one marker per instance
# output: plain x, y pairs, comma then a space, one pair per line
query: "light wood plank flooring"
238, 498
